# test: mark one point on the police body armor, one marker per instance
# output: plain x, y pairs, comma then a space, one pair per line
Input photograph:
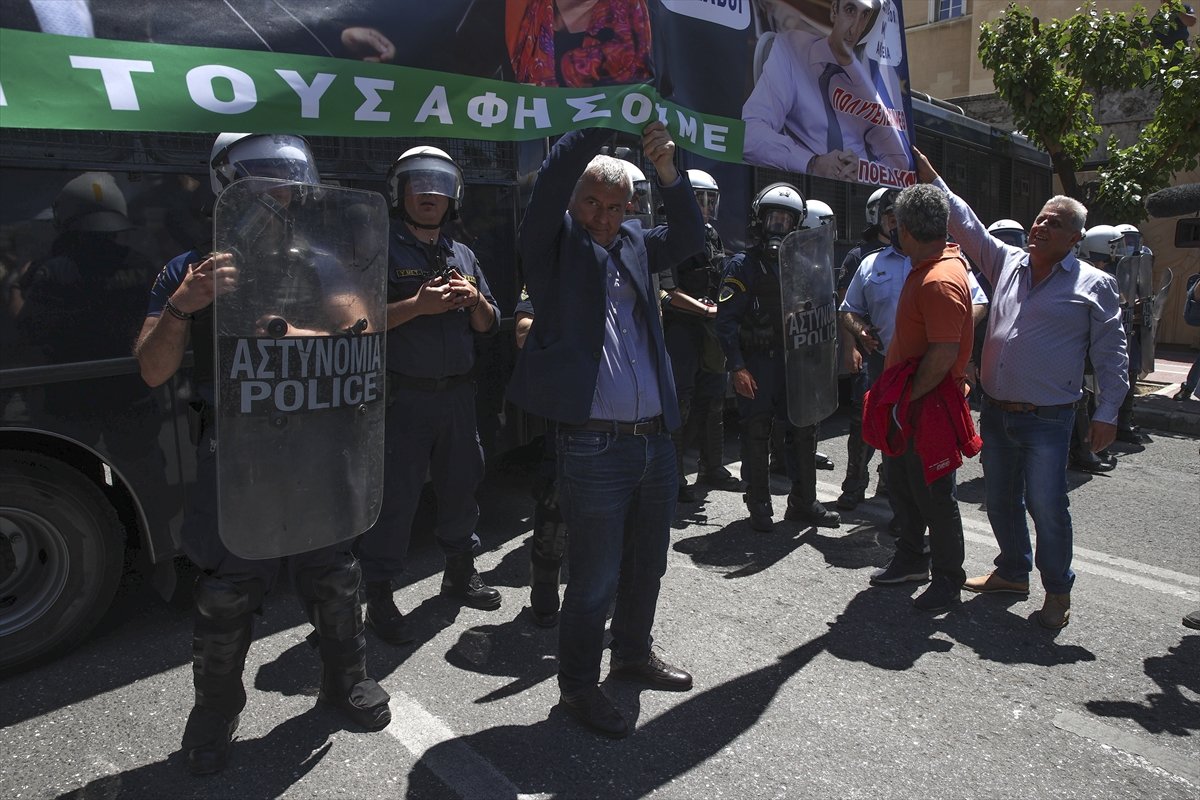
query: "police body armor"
299, 365
808, 306
761, 328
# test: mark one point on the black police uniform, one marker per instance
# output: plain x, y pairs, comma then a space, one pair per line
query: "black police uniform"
750, 328
430, 422
231, 589
697, 362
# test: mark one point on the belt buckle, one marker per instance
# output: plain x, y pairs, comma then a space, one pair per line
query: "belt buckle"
644, 428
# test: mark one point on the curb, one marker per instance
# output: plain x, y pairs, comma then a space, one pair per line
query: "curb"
1158, 411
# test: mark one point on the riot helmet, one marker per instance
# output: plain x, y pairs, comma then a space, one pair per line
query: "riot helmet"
818, 213
880, 202
1102, 245
776, 211
1133, 239
430, 170
639, 201
1009, 231
261, 155
91, 203
708, 194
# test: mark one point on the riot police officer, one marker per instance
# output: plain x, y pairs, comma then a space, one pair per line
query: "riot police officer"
1136, 328
689, 299
1009, 231
750, 327
231, 588
438, 301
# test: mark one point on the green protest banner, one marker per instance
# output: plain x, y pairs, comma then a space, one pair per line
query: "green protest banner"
64, 82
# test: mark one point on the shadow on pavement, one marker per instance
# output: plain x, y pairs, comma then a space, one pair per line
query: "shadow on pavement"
1169, 710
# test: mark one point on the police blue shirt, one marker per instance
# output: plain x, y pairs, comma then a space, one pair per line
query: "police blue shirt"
432, 345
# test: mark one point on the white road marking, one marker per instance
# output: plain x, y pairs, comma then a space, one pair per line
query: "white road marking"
432, 743
1156, 755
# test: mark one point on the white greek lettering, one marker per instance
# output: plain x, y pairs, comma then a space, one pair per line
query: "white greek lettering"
203, 93
539, 113
636, 108
341, 356
687, 126
487, 109
714, 137
117, 74
309, 94
243, 363
264, 358
370, 89
304, 348
436, 105
586, 108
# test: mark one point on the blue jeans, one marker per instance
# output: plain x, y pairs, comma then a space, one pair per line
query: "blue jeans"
1025, 466
617, 494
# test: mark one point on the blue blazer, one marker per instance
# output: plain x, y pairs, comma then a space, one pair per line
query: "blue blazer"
555, 375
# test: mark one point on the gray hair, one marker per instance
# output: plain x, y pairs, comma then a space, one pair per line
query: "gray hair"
607, 171
923, 211
1072, 209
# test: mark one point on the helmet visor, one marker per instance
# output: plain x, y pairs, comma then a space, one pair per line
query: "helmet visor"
709, 202
778, 221
284, 169
1011, 237
639, 202
1133, 243
431, 175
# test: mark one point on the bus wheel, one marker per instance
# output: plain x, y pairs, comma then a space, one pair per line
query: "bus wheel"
61, 554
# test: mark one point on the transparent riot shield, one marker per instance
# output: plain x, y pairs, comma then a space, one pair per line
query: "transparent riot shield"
299, 345
809, 324
1151, 313
1126, 273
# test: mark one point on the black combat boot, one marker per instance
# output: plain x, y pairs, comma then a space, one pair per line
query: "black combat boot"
679, 439
1126, 431
1081, 457
712, 470
461, 580
756, 446
330, 597
547, 545
220, 640
802, 500
858, 476
382, 615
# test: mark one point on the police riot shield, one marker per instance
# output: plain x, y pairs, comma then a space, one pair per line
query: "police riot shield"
1151, 314
299, 345
1126, 273
809, 324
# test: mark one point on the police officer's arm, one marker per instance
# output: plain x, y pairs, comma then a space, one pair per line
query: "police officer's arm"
732, 306
678, 299
164, 337
853, 311
434, 297
524, 321
485, 314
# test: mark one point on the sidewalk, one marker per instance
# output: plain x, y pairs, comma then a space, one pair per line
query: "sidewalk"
1153, 408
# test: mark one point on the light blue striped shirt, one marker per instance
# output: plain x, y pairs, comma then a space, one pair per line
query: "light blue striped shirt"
1038, 336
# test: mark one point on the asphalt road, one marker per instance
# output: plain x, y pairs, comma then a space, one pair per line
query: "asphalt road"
809, 683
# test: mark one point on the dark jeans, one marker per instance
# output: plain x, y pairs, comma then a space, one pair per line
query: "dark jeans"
919, 507
617, 495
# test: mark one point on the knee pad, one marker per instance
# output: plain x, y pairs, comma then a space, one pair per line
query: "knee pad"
218, 599
330, 582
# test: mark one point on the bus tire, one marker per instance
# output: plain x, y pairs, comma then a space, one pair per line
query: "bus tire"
61, 556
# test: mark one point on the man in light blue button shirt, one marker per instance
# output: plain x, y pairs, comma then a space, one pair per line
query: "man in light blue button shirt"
1049, 312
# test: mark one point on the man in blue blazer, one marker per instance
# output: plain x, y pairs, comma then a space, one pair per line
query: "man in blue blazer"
595, 362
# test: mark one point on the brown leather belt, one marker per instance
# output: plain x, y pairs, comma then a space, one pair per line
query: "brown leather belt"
646, 427
1023, 408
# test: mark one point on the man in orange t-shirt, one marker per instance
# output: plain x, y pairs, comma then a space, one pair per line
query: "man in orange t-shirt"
933, 323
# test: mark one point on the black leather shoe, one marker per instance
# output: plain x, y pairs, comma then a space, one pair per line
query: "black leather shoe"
822, 461
461, 580
1184, 393
849, 499
206, 739
1087, 461
686, 494
383, 617
595, 711
365, 703
1130, 435
653, 671
720, 479
812, 514
760, 515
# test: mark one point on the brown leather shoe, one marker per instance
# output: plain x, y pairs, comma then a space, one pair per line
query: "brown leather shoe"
1056, 611
653, 672
993, 583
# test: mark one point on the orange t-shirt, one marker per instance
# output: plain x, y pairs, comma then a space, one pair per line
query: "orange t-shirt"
935, 307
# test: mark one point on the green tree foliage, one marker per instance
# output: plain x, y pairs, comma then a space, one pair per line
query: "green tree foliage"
1050, 72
